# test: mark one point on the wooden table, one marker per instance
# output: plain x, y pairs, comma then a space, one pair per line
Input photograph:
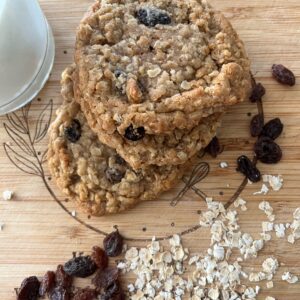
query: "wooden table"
38, 234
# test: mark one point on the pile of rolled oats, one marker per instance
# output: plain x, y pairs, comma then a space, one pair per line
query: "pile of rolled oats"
274, 182
163, 274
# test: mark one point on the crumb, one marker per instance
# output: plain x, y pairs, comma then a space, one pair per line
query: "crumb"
7, 195
223, 165
73, 213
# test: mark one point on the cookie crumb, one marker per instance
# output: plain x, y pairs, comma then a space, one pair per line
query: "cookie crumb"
7, 195
223, 165
269, 284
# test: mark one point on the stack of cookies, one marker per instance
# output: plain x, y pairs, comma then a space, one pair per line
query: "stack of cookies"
148, 89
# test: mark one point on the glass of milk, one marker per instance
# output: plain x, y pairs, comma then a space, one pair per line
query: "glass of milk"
26, 52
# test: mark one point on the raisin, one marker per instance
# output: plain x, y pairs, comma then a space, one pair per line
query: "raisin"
213, 148
113, 291
134, 134
257, 124
100, 258
105, 278
119, 296
59, 293
152, 16
62, 279
119, 72
73, 132
85, 294
119, 160
29, 289
113, 244
267, 151
273, 129
47, 283
246, 167
257, 93
283, 75
81, 266
114, 175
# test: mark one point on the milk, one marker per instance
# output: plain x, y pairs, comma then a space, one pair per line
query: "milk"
23, 45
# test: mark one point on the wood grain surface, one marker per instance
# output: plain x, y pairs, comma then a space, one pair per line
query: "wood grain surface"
38, 234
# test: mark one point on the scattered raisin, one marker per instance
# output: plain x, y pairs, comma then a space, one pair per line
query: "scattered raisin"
105, 278
120, 296
114, 175
47, 283
267, 151
73, 132
113, 244
283, 75
81, 266
85, 294
113, 288
29, 289
246, 167
273, 129
62, 279
258, 92
257, 124
213, 148
134, 134
99, 257
152, 16
59, 293
113, 291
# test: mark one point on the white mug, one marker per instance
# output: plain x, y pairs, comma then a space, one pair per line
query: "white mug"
26, 52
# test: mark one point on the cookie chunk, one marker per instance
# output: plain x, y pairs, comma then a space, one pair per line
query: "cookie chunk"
93, 174
159, 65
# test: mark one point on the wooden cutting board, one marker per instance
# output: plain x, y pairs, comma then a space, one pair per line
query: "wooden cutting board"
39, 231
